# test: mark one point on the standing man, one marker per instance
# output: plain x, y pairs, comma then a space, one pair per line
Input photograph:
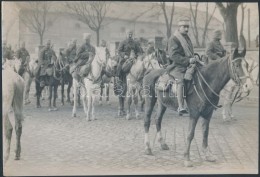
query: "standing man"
23, 55
214, 49
124, 49
181, 55
82, 55
104, 44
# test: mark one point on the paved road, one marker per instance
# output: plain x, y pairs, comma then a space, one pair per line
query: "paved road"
53, 143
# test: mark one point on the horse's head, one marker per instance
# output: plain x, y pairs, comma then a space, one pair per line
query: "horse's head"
240, 70
111, 65
161, 57
132, 54
100, 56
14, 64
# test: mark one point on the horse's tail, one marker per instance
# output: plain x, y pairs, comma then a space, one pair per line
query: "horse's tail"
150, 80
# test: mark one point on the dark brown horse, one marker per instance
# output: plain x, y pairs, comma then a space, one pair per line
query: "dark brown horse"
202, 98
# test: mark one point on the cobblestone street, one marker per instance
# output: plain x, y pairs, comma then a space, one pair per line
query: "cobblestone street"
54, 143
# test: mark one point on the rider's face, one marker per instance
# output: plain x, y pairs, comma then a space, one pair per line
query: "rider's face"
184, 29
130, 35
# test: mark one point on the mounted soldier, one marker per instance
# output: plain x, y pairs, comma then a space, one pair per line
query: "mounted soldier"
23, 55
46, 60
104, 44
214, 49
71, 51
181, 55
125, 61
83, 56
150, 49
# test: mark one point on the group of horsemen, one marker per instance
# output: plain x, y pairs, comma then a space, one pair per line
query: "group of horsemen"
180, 54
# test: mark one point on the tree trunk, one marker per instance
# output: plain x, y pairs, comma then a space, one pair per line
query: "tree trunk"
41, 39
97, 33
231, 25
169, 32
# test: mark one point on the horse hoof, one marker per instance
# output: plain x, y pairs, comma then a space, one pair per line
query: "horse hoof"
17, 158
68, 101
38, 106
27, 102
210, 158
148, 151
54, 109
164, 147
88, 120
74, 115
49, 109
187, 163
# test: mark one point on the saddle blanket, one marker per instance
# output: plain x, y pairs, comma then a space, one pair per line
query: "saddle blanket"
165, 83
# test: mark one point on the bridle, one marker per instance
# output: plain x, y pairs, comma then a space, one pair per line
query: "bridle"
233, 74
159, 55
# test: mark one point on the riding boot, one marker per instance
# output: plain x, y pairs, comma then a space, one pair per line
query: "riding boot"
180, 92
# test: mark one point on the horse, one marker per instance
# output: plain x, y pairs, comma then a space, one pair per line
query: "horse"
28, 76
109, 72
233, 94
51, 79
91, 83
66, 77
13, 90
202, 97
141, 66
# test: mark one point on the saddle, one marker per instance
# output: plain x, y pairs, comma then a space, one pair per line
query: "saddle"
126, 67
80, 71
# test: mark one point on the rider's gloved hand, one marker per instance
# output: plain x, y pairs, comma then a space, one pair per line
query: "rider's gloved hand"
193, 60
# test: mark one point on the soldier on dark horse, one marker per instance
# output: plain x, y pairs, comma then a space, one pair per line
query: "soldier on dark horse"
124, 50
181, 55
46, 75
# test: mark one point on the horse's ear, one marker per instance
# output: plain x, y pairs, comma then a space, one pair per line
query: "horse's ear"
235, 53
243, 53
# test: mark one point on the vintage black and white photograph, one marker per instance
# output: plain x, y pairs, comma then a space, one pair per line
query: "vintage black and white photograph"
130, 88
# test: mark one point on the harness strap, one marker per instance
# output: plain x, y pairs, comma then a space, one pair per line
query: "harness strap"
216, 107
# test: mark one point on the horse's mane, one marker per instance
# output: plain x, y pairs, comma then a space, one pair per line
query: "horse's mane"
213, 64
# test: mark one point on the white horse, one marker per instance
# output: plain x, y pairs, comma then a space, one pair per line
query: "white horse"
91, 84
13, 89
141, 66
28, 76
109, 72
231, 90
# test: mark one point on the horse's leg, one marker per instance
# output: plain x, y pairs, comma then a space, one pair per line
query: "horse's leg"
160, 112
101, 94
38, 94
135, 98
192, 125
50, 97
68, 90
93, 106
147, 120
75, 87
89, 99
62, 92
55, 96
205, 128
141, 100
78, 96
129, 102
85, 102
107, 93
18, 113
28, 82
8, 129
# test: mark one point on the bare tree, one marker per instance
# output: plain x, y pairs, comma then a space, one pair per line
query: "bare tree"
194, 16
229, 14
34, 15
168, 20
208, 19
91, 13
